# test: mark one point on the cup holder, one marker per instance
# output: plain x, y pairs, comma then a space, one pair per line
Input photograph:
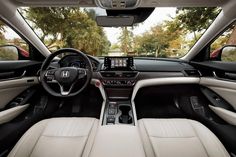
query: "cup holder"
125, 117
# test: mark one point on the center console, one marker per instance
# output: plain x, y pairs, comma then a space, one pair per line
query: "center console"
118, 77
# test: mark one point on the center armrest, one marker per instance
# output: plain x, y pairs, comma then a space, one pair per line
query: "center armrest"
117, 141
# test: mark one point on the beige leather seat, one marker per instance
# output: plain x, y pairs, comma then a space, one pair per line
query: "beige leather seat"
179, 138
57, 137
74, 137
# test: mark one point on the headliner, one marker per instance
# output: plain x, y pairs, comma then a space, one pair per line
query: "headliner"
144, 3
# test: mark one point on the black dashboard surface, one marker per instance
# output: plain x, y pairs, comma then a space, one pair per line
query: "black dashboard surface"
140, 64
157, 65
160, 65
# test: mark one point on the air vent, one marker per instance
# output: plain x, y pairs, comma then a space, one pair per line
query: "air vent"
129, 75
192, 72
108, 74
119, 74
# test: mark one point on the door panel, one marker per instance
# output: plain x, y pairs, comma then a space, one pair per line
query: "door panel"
15, 78
9, 114
18, 69
225, 89
9, 89
228, 116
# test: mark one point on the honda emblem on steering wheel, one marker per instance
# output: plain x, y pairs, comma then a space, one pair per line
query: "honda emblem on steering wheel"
65, 74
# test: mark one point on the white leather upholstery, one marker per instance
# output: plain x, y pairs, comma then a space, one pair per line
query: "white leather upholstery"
81, 137
9, 89
228, 116
9, 114
179, 138
117, 141
57, 137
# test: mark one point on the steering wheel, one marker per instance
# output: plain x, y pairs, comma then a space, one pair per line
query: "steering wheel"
65, 77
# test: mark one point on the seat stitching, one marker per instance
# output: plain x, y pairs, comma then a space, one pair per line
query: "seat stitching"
217, 143
88, 138
139, 130
198, 138
24, 137
172, 137
63, 136
140, 135
39, 138
148, 138
21, 143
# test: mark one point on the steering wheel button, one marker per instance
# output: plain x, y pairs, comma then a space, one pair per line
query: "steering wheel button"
50, 72
50, 78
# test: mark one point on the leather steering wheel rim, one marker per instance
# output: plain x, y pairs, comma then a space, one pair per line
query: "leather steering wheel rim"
45, 66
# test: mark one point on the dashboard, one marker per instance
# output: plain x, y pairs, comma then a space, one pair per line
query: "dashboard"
118, 71
120, 74
78, 62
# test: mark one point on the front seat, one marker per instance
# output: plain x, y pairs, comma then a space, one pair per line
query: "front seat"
57, 137
179, 138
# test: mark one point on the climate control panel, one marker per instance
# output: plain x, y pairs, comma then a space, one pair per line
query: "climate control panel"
112, 82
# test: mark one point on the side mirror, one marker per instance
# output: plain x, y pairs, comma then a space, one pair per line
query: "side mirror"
12, 52
228, 53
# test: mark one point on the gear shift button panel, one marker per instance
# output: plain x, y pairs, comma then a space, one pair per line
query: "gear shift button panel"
118, 112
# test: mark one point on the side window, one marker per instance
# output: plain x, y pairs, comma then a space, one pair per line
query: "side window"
224, 47
12, 46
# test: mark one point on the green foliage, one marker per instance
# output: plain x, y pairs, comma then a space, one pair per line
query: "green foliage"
227, 38
196, 19
171, 39
68, 27
160, 41
114, 47
126, 40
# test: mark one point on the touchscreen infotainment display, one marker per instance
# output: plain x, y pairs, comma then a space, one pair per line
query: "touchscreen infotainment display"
118, 62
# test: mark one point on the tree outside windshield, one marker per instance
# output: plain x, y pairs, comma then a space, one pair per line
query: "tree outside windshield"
171, 32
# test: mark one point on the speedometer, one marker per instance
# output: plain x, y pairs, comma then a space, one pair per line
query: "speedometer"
75, 64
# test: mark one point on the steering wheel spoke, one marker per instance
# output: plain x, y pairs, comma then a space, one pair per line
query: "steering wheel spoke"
50, 76
65, 90
82, 73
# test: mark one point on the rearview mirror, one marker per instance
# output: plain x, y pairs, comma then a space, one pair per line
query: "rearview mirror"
228, 53
115, 21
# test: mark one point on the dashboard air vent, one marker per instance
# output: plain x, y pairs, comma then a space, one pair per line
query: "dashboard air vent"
119, 74
192, 72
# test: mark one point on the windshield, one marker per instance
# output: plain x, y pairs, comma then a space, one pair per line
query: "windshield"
166, 33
